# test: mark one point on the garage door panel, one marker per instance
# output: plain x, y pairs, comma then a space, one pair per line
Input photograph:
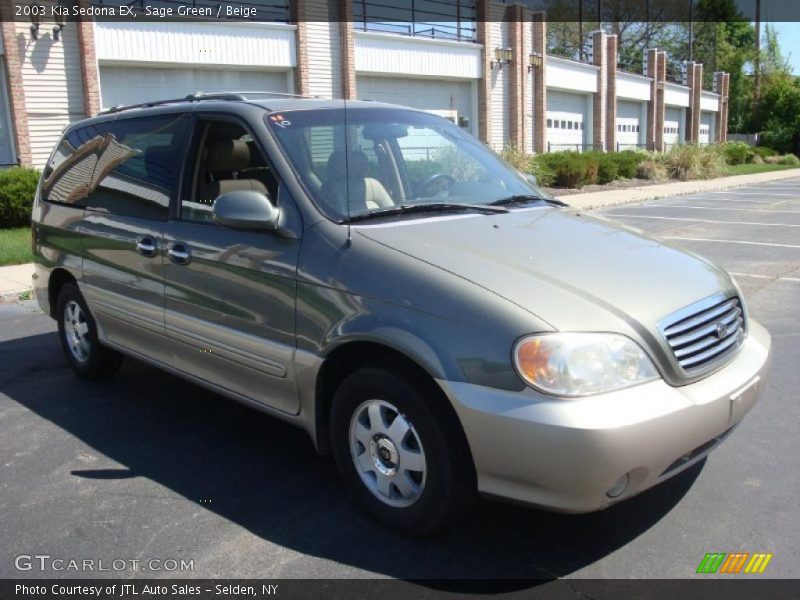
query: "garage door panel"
423, 94
131, 85
567, 120
673, 124
706, 127
629, 115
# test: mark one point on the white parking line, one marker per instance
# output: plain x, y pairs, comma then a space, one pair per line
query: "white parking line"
758, 210
689, 239
707, 221
791, 279
760, 193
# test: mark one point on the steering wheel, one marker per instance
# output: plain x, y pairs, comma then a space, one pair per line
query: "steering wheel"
446, 177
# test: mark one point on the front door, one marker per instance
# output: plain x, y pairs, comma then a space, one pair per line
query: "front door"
230, 294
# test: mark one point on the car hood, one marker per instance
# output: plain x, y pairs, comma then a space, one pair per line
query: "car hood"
574, 271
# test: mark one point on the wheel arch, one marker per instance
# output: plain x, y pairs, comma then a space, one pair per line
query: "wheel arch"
349, 356
58, 278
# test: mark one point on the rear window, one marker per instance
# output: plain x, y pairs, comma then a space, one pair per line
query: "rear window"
137, 173
128, 167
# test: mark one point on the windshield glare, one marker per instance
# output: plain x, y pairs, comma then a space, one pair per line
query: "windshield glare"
365, 160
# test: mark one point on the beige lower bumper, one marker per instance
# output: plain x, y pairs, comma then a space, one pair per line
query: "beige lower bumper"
566, 454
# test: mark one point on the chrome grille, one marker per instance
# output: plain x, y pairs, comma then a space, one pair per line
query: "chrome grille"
702, 335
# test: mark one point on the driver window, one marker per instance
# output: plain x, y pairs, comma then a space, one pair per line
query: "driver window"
435, 166
227, 160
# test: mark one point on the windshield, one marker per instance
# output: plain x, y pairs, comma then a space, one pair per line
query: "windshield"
367, 160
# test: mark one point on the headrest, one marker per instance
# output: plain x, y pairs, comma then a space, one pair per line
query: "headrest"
354, 163
228, 155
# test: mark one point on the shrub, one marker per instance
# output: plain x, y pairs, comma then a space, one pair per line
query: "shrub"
569, 169
695, 162
737, 153
17, 188
764, 152
790, 159
539, 168
651, 169
607, 169
517, 158
628, 162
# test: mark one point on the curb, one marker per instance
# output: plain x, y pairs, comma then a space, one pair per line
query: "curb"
635, 195
15, 295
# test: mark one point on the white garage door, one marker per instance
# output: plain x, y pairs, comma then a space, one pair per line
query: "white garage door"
566, 121
450, 99
706, 128
629, 115
131, 85
673, 125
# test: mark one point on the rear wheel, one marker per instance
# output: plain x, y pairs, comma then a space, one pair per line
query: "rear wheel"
400, 451
78, 333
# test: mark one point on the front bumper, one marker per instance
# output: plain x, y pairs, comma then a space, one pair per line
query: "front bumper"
565, 455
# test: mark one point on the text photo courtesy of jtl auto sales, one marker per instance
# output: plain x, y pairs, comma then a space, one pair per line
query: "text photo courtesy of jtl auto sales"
399, 299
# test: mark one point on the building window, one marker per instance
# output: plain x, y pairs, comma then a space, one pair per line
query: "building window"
447, 20
550, 123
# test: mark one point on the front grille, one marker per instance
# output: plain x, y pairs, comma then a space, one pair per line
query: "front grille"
704, 334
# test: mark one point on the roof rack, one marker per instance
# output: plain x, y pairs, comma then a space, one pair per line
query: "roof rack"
201, 96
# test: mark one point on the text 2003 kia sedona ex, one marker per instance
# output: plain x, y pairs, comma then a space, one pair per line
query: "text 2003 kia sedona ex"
376, 276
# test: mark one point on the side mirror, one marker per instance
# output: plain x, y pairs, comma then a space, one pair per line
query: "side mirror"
532, 179
246, 209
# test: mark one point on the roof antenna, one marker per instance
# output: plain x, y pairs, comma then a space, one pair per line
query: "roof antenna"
349, 240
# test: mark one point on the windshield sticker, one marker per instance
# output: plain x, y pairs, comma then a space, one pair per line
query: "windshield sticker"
280, 121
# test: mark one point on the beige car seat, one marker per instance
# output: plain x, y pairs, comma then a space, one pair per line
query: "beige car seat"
366, 193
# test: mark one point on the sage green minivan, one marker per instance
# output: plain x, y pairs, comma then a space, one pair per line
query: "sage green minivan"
376, 276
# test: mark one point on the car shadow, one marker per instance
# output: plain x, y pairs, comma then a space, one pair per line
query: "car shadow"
265, 476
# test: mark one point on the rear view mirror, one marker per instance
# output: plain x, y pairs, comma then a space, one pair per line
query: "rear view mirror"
246, 209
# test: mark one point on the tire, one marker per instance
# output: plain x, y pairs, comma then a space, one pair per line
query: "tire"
429, 469
78, 334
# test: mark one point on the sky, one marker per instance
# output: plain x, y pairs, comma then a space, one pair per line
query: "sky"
789, 40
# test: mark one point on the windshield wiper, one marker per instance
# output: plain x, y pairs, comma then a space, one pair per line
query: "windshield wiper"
524, 198
429, 207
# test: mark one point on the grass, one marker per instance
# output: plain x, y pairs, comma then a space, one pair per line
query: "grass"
15, 246
748, 169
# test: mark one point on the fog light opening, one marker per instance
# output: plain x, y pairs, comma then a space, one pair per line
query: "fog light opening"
620, 485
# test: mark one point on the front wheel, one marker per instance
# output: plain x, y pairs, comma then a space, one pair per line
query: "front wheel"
78, 333
400, 451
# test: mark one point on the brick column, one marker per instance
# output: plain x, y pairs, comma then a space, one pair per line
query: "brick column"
16, 92
539, 20
599, 107
88, 57
611, 93
517, 75
694, 78
661, 74
299, 18
650, 69
485, 83
722, 80
348, 49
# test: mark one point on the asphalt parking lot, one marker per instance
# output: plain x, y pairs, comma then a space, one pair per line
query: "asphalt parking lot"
147, 466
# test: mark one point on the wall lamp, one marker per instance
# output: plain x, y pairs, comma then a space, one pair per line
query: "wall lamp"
534, 61
60, 17
502, 56
36, 19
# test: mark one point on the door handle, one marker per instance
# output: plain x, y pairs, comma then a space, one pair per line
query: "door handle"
179, 253
147, 246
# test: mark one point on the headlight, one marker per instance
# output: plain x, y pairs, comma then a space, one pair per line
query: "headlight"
579, 364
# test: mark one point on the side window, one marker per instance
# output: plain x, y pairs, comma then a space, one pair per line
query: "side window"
227, 159
137, 171
69, 173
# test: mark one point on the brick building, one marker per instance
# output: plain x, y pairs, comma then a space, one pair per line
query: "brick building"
488, 71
